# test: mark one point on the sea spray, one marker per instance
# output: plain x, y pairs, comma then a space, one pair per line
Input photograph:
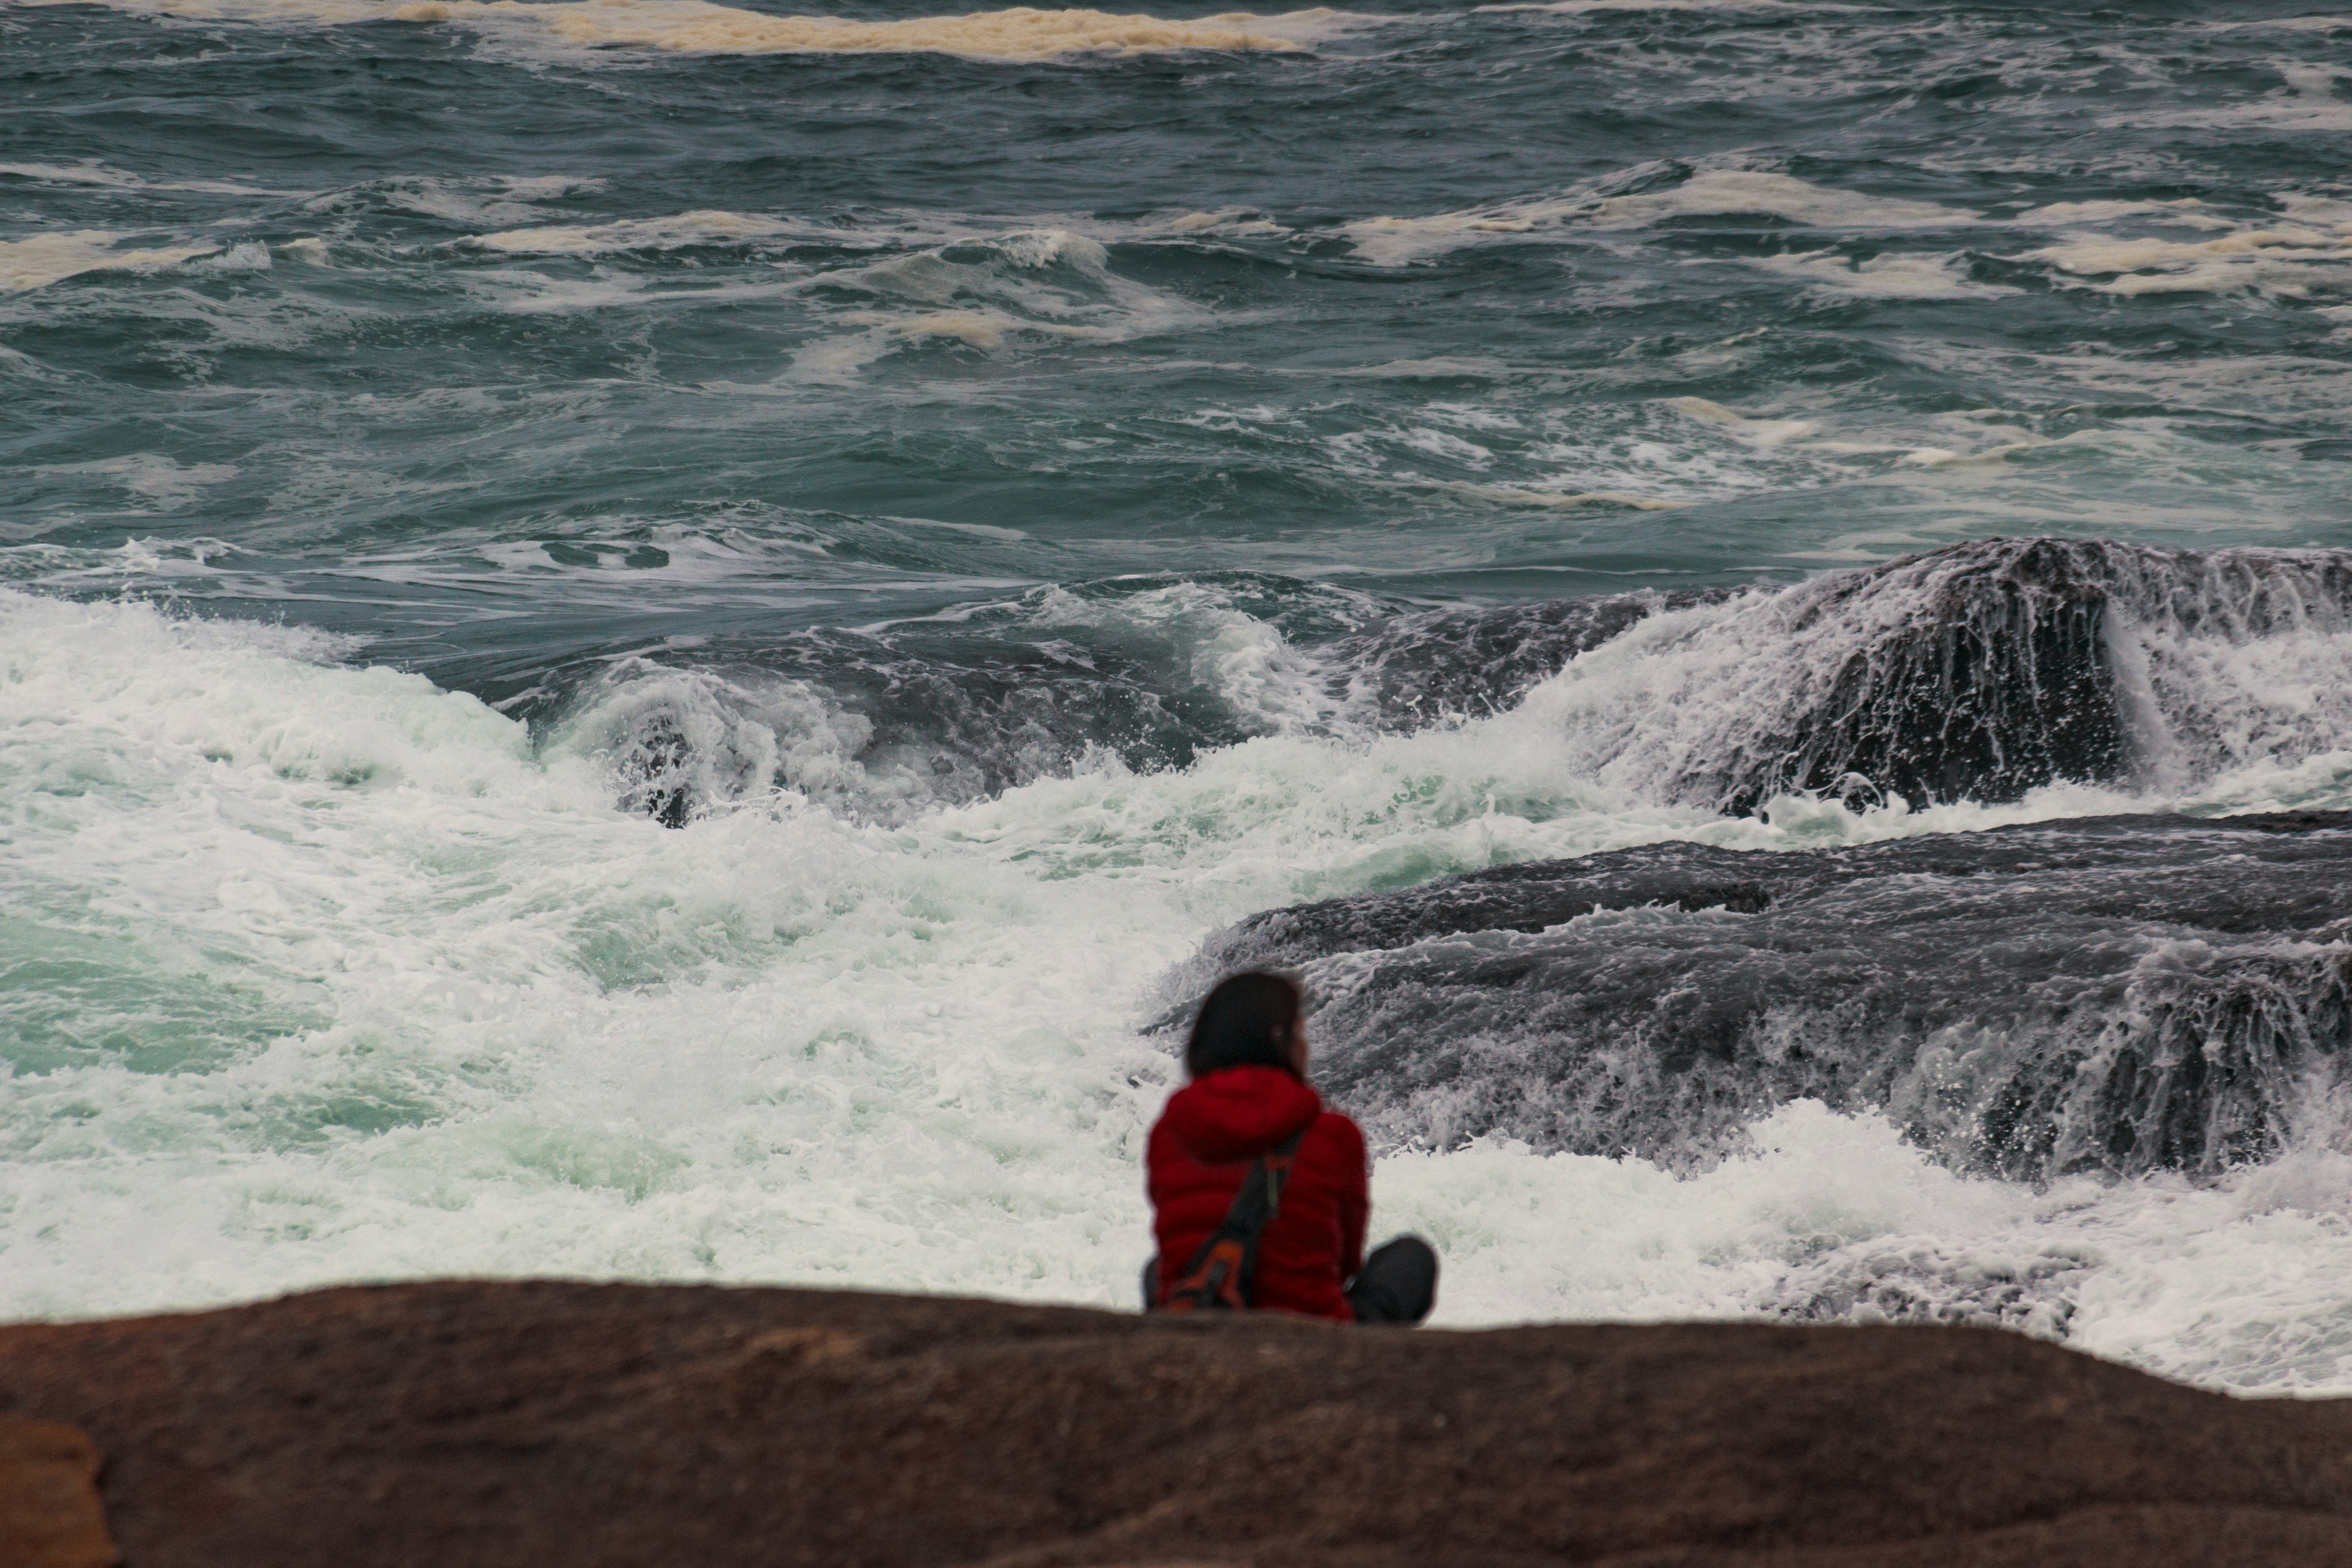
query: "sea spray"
492, 1022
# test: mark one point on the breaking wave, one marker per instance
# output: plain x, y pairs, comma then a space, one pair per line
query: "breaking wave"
1974, 674
1978, 673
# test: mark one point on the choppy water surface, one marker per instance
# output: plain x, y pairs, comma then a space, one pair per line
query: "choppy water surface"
645, 637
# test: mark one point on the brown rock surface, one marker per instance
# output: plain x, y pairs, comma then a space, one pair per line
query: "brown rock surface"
466, 1423
49, 1512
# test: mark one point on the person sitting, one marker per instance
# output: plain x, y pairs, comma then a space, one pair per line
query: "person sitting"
1248, 1100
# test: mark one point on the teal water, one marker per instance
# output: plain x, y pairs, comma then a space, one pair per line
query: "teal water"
957, 476
492, 340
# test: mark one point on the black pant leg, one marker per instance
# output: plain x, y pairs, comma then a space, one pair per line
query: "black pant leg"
1397, 1284
1152, 1285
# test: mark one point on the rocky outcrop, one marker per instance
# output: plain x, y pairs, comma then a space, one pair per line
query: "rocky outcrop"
473, 1425
2116, 993
1984, 670
1976, 673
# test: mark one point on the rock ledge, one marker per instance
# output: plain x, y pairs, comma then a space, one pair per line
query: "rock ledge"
466, 1423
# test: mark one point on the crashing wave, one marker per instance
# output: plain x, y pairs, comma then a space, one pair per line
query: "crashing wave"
876, 724
1433, 666
1977, 672
1148, 673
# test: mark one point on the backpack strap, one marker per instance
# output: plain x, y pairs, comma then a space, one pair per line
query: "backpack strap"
1221, 1273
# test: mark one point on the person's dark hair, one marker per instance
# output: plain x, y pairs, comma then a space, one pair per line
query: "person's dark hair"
1246, 1022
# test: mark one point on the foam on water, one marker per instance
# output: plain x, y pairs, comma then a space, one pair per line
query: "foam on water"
324, 973
642, 234
698, 26
1585, 7
1042, 284
44, 258
2122, 247
1834, 1218
2311, 250
2306, 102
1707, 193
1886, 277
95, 174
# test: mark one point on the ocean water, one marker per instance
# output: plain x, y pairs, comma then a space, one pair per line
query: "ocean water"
641, 637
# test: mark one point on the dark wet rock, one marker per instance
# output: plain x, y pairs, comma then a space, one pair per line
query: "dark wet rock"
2111, 993
1983, 670
482, 1426
1994, 679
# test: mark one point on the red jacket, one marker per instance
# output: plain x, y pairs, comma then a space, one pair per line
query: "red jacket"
1205, 1141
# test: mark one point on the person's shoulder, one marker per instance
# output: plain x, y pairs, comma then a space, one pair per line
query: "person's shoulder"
1163, 1131
1339, 1128
1334, 1151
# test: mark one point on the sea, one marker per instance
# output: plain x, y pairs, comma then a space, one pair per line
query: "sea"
658, 640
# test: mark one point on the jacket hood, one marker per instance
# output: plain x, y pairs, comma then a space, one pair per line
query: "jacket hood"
1239, 1114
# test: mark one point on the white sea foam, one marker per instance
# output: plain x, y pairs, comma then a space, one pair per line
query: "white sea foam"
99, 174
1710, 192
151, 475
372, 988
245, 256
1885, 276
41, 259
1224, 221
1525, 450
698, 27
1521, 495
2282, 24
1443, 368
1763, 432
1020, 33
1720, 191
2306, 102
703, 228
2187, 211
495, 198
1588, 7
2126, 247
2240, 1286
2307, 245
1049, 284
